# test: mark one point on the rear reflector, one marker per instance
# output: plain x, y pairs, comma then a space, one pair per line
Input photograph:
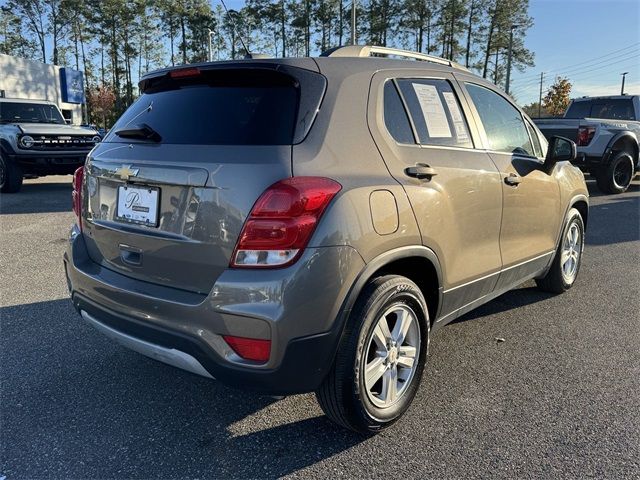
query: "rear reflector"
282, 221
250, 348
76, 194
184, 72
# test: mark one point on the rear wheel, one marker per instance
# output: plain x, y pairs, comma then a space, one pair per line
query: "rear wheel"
381, 357
566, 264
616, 176
10, 176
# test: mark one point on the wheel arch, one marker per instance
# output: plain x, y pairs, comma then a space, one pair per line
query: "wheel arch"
624, 142
418, 263
582, 206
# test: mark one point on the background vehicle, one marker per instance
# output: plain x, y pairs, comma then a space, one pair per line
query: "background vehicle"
309, 223
36, 141
606, 130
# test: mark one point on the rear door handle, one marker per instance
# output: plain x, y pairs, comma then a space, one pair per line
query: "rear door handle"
513, 179
421, 170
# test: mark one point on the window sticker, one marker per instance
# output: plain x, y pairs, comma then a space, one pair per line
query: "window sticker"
461, 131
456, 116
433, 110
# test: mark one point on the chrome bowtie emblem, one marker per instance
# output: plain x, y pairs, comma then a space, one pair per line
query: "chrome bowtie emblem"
126, 171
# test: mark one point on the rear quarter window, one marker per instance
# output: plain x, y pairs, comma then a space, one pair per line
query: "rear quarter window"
395, 116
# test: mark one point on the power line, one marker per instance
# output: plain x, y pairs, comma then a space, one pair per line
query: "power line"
578, 73
626, 55
594, 59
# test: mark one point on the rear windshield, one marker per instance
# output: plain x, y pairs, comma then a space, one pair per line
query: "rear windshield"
217, 109
618, 109
20, 112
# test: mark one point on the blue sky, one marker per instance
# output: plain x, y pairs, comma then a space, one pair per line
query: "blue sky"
589, 41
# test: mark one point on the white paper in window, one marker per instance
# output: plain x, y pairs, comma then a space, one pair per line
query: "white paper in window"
433, 110
456, 116
452, 103
461, 131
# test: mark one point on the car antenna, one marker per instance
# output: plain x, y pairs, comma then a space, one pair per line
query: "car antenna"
233, 25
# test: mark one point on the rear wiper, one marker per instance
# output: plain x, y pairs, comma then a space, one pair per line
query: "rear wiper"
140, 132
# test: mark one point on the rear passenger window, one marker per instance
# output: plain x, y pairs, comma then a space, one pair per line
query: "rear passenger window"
395, 116
436, 112
503, 123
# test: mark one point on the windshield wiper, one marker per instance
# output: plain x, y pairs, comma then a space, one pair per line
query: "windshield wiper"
140, 132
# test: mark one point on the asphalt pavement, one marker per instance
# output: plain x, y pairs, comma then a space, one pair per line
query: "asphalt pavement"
559, 397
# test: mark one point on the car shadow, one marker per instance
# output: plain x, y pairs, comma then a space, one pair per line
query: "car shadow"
76, 403
37, 198
526, 294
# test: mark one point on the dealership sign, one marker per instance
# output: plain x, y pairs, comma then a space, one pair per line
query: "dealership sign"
72, 85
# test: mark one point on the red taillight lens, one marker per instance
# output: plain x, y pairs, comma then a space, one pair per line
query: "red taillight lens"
282, 221
250, 348
76, 194
585, 135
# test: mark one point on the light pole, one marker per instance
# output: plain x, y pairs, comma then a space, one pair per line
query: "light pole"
353, 21
210, 45
513, 27
624, 74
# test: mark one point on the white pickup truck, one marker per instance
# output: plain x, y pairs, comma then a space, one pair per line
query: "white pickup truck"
607, 132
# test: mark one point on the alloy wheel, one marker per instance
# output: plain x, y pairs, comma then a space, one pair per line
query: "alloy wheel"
571, 251
392, 355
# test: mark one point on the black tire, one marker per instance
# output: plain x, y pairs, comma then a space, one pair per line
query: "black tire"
10, 176
616, 175
556, 281
343, 395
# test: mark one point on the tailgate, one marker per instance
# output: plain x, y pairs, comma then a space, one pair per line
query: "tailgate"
195, 213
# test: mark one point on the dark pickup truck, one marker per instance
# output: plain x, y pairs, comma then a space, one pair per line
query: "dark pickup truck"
606, 131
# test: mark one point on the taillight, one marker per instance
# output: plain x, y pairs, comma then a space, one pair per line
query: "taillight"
282, 221
585, 135
184, 72
76, 194
250, 348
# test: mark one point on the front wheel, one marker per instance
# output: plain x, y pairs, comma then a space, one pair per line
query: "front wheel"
380, 359
616, 176
10, 176
566, 264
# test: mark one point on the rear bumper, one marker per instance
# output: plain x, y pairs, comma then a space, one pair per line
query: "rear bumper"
300, 309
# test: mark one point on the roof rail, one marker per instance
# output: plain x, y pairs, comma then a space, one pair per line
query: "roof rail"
371, 50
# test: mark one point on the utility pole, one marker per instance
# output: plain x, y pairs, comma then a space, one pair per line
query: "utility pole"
513, 27
210, 45
623, 77
353, 22
540, 96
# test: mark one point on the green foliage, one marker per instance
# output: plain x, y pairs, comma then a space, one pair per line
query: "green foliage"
558, 97
116, 41
535, 110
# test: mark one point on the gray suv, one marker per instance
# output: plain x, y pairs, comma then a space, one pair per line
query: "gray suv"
36, 141
305, 225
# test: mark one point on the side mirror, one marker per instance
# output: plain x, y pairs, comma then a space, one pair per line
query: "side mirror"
560, 149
